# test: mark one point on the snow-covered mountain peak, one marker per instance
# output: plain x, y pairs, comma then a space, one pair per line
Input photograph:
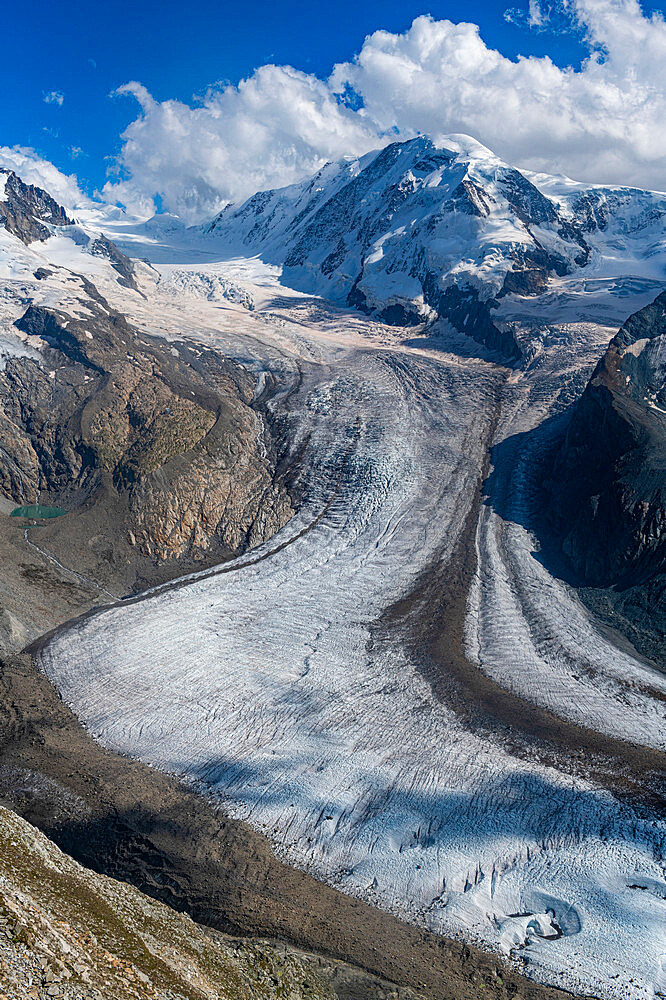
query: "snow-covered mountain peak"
425, 229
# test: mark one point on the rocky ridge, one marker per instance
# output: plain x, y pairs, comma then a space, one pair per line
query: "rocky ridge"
607, 482
27, 211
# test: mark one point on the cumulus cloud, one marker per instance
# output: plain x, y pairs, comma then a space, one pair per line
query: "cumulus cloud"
601, 122
272, 129
54, 97
32, 169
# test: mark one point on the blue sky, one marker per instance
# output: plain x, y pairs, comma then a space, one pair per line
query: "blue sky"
185, 137
86, 50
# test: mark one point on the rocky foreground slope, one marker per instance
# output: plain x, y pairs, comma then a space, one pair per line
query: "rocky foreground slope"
67, 932
608, 478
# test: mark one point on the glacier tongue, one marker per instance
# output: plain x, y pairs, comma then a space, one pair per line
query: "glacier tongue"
259, 681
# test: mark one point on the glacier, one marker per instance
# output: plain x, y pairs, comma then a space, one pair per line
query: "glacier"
260, 681
276, 683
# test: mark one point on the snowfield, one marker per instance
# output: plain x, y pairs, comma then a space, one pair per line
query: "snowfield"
269, 683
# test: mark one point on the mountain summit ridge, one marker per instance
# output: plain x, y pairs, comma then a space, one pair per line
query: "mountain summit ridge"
423, 230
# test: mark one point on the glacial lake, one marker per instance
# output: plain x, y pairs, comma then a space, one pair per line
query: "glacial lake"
37, 510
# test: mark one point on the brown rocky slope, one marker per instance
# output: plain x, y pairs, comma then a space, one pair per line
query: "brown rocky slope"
66, 932
158, 454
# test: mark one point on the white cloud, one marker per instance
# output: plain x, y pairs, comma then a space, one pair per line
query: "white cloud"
32, 169
272, 129
557, 18
54, 97
603, 122
535, 15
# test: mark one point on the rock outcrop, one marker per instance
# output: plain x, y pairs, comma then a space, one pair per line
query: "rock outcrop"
103, 247
607, 484
27, 211
157, 453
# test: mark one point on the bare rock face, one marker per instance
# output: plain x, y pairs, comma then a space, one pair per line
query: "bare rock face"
608, 479
24, 209
157, 453
103, 247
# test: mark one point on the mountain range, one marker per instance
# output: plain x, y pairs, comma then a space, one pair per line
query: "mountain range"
420, 231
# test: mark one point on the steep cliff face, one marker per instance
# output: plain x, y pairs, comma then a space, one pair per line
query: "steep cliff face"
608, 479
27, 211
157, 453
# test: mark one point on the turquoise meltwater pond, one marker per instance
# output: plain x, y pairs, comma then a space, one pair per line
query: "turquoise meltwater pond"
37, 510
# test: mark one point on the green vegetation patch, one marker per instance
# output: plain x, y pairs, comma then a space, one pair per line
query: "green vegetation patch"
37, 510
